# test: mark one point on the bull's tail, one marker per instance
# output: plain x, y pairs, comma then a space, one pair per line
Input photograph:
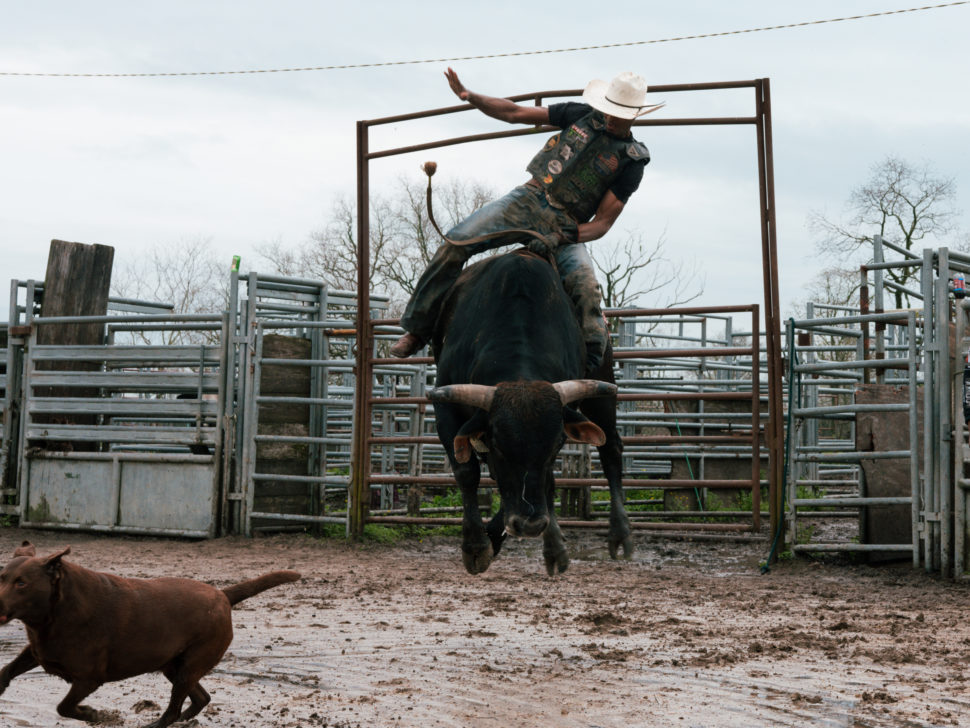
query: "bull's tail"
429, 169
245, 589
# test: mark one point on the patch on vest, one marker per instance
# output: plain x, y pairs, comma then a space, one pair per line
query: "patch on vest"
638, 151
577, 136
606, 164
554, 166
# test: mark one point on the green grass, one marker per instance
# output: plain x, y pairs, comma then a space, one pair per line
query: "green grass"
451, 499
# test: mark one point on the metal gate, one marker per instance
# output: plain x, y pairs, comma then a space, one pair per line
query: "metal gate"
124, 437
924, 351
291, 470
824, 478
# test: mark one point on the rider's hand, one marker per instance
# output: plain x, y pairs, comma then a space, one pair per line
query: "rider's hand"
457, 86
568, 234
544, 246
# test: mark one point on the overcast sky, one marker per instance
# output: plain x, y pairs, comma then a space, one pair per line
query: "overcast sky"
244, 160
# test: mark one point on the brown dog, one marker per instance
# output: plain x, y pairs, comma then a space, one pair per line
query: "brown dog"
90, 628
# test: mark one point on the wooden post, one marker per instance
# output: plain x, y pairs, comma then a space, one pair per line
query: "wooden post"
77, 283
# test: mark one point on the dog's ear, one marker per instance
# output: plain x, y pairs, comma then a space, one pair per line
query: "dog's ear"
53, 562
25, 549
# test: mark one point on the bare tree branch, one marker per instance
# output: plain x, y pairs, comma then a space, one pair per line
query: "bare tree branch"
635, 273
402, 240
184, 274
905, 204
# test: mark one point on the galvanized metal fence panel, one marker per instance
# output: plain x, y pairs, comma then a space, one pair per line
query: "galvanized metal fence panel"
307, 310
921, 348
11, 361
134, 446
322, 445
6, 414
961, 471
824, 477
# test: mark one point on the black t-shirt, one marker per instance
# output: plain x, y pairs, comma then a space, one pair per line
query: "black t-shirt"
565, 114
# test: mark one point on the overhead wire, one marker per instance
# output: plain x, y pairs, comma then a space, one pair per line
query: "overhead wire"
349, 66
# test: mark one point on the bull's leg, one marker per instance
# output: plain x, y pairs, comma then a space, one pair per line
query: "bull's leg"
476, 546
496, 531
612, 462
602, 411
553, 546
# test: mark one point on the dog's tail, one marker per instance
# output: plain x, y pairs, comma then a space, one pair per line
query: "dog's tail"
245, 589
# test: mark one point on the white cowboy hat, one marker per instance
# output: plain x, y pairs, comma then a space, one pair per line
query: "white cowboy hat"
624, 97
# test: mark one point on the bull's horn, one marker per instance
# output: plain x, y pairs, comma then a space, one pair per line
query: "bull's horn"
576, 389
475, 395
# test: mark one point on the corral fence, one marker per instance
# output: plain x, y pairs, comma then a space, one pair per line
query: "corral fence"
203, 425
877, 439
371, 401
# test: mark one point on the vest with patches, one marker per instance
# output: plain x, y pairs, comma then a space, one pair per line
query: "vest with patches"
577, 166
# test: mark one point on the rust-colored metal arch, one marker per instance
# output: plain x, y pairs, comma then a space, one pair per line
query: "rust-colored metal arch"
761, 120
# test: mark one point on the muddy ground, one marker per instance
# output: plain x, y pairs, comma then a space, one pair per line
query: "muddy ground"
685, 634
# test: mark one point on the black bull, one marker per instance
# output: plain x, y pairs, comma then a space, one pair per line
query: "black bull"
510, 358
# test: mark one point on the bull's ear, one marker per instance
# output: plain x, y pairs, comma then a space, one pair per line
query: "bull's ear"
53, 561
580, 429
470, 435
587, 432
463, 450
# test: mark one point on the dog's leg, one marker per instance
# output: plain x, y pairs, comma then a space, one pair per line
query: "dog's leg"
179, 692
200, 698
196, 693
70, 707
18, 666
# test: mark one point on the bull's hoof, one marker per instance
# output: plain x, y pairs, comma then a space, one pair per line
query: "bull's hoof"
476, 560
556, 562
615, 542
497, 536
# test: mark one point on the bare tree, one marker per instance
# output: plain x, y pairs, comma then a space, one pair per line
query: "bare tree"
402, 242
631, 271
418, 241
184, 275
907, 205
330, 254
402, 239
831, 287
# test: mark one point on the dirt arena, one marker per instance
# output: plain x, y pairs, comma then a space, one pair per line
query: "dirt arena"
685, 634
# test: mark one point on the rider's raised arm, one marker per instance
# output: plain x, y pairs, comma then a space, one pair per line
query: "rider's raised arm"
498, 108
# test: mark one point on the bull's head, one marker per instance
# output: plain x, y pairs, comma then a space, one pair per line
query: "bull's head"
519, 429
